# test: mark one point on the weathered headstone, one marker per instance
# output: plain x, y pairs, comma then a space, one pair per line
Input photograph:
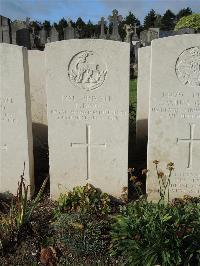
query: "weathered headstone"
15, 119
37, 86
36, 60
54, 36
174, 118
184, 31
129, 32
5, 30
87, 103
149, 35
23, 38
143, 87
102, 24
43, 37
69, 31
115, 19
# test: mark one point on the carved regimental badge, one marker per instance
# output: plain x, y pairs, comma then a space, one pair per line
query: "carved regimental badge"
87, 70
188, 67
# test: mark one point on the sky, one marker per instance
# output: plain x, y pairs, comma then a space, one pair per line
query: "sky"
54, 10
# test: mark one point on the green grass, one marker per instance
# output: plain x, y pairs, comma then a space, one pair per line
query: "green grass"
132, 104
133, 92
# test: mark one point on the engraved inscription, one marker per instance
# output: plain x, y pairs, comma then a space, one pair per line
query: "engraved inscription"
87, 108
186, 182
188, 67
181, 105
88, 145
87, 70
4, 148
6, 112
190, 142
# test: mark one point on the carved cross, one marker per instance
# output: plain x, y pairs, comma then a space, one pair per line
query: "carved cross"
135, 29
88, 145
129, 32
191, 140
102, 23
115, 19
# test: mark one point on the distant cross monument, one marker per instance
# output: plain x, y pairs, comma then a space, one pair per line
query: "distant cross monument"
115, 19
102, 23
69, 31
129, 32
190, 142
135, 37
88, 145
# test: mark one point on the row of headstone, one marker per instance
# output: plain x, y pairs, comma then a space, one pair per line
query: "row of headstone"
168, 112
20, 32
151, 34
5, 30
82, 86
87, 104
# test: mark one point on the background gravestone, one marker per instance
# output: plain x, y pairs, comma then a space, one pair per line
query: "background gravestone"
69, 31
87, 100
174, 118
143, 87
54, 35
23, 38
115, 19
15, 120
36, 61
5, 30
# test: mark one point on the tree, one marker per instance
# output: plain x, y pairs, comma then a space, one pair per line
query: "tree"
47, 25
149, 20
168, 20
183, 12
192, 21
89, 29
131, 19
158, 23
81, 27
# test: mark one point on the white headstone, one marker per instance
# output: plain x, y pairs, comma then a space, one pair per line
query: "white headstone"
37, 86
174, 118
143, 87
15, 119
87, 102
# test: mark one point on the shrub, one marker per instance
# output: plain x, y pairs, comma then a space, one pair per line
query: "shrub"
157, 234
192, 21
84, 199
82, 234
20, 213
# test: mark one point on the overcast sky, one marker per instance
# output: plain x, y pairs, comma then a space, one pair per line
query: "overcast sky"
54, 10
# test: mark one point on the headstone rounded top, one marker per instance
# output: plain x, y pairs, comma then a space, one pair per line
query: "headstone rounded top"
85, 73
188, 67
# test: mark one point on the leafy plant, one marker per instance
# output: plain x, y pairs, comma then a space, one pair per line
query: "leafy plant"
192, 21
82, 233
150, 234
84, 199
21, 211
164, 180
